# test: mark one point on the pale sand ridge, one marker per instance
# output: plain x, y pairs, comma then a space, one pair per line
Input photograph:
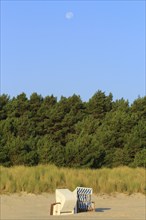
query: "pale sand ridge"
34, 207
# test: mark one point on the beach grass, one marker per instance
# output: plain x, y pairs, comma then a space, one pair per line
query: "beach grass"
46, 178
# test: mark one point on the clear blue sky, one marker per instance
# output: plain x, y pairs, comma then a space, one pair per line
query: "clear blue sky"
67, 47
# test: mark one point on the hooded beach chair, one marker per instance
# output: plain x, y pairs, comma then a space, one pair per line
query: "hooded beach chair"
66, 202
84, 199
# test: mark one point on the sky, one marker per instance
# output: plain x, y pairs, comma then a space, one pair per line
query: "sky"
73, 47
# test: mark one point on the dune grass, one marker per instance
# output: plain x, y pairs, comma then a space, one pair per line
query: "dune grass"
46, 178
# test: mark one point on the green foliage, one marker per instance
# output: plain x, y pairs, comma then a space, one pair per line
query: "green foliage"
140, 159
99, 104
72, 133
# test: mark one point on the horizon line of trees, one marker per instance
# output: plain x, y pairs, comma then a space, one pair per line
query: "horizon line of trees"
72, 133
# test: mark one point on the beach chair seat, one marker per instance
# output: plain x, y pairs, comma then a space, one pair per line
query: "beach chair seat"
65, 203
84, 199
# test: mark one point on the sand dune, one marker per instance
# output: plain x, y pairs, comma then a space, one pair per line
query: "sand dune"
34, 207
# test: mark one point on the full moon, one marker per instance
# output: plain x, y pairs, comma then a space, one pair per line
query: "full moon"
69, 15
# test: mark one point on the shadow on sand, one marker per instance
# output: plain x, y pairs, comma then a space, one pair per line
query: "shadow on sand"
101, 209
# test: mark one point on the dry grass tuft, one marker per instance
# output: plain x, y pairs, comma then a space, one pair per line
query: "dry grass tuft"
46, 178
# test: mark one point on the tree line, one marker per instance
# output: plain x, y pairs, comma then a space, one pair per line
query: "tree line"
72, 133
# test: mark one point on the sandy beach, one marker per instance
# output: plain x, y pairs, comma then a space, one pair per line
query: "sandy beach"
29, 206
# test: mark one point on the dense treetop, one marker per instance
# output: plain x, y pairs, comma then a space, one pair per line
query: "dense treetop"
73, 133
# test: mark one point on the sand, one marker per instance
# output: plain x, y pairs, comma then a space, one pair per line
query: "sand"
34, 207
